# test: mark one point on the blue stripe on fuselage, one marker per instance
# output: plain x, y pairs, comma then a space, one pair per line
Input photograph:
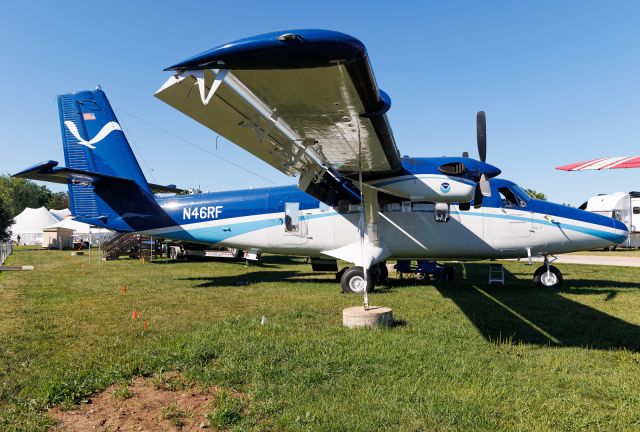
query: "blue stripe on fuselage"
255, 202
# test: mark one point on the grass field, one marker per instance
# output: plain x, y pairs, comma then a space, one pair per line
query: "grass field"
462, 357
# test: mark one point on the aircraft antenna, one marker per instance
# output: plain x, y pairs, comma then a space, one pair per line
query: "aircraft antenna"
172, 135
144, 161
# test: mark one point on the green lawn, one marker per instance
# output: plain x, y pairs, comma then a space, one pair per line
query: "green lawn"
462, 357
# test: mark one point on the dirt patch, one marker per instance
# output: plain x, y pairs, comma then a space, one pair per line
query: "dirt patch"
161, 403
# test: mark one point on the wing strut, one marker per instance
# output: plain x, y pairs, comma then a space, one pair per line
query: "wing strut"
199, 76
361, 226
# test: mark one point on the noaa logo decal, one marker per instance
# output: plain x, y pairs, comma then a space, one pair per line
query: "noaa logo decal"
445, 187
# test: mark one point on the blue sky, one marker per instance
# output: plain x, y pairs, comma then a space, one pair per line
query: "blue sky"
560, 81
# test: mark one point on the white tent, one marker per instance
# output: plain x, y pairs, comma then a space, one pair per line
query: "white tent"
30, 223
61, 214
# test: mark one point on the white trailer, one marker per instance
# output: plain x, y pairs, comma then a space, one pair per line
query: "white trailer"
623, 206
184, 250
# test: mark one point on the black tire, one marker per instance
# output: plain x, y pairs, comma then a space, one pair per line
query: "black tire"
552, 281
380, 272
340, 273
352, 281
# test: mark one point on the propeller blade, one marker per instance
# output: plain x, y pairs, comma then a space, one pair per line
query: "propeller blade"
485, 187
481, 131
477, 198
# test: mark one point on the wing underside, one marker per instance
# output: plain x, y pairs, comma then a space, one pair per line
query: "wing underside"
298, 109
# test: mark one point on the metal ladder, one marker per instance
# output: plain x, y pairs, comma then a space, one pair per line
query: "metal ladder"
496, 273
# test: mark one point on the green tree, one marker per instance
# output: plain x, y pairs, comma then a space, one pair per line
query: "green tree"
19, 193
5, 221
537, 195
58, 201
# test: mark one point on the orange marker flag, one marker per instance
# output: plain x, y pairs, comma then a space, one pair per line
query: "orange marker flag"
135, 315
144, 326
123, 289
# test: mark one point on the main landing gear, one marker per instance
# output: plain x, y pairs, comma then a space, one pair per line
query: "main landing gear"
547, 276
352, 278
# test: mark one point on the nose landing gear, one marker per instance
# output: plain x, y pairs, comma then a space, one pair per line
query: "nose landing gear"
352, 279
547, 276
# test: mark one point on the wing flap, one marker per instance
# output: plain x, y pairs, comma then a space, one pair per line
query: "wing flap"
229, 115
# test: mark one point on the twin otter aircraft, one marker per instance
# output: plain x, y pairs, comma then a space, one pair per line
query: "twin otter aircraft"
307, 103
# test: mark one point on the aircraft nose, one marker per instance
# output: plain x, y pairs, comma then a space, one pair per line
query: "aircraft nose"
616, 235
620, 226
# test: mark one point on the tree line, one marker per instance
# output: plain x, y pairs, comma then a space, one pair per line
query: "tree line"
16, 194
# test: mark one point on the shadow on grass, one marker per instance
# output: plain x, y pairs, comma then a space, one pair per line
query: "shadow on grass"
281, 276
522, 313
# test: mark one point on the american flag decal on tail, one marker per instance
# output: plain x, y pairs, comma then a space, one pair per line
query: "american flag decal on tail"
603, 163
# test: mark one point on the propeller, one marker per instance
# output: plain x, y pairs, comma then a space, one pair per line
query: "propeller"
483, 189
481, 132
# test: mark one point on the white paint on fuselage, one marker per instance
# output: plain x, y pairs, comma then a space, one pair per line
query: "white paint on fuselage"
483, 233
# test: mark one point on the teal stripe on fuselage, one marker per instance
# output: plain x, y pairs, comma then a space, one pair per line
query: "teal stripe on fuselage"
216, 234
219, 233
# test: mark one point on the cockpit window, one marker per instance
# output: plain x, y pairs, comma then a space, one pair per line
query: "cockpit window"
521, 193
510, 198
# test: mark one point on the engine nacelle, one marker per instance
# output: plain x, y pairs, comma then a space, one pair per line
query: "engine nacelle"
428, 187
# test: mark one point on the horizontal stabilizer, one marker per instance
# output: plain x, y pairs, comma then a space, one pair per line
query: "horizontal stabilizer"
50, 172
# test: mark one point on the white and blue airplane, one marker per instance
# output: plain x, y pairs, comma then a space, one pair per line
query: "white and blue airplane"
307, 103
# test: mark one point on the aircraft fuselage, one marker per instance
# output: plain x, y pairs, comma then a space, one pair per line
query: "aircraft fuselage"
256, 219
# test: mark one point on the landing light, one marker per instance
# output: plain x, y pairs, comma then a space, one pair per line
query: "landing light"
288, 37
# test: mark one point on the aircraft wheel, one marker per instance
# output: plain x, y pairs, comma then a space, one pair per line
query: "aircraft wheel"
352, 281
547, 279
340, 273
380, 272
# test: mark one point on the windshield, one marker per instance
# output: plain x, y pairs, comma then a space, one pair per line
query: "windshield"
521, 193
513, 196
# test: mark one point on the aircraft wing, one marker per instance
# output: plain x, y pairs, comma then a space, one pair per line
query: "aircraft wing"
304, 101
603, 163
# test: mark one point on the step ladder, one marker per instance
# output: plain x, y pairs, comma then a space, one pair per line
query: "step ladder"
496, 273
119, 244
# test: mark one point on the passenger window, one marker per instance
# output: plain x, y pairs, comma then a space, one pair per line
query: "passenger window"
509, 199
292, 217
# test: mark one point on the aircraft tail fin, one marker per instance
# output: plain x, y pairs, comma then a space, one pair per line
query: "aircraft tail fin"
94, 141
106, 185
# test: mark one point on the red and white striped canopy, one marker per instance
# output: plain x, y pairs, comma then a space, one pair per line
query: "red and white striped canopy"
604, 163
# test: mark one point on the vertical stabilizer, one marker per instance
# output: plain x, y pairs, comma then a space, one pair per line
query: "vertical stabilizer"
94, 141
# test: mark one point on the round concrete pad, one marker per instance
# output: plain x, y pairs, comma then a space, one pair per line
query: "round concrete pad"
357, 317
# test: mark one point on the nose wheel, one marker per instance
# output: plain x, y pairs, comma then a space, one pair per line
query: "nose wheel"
547, 276
352, 281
